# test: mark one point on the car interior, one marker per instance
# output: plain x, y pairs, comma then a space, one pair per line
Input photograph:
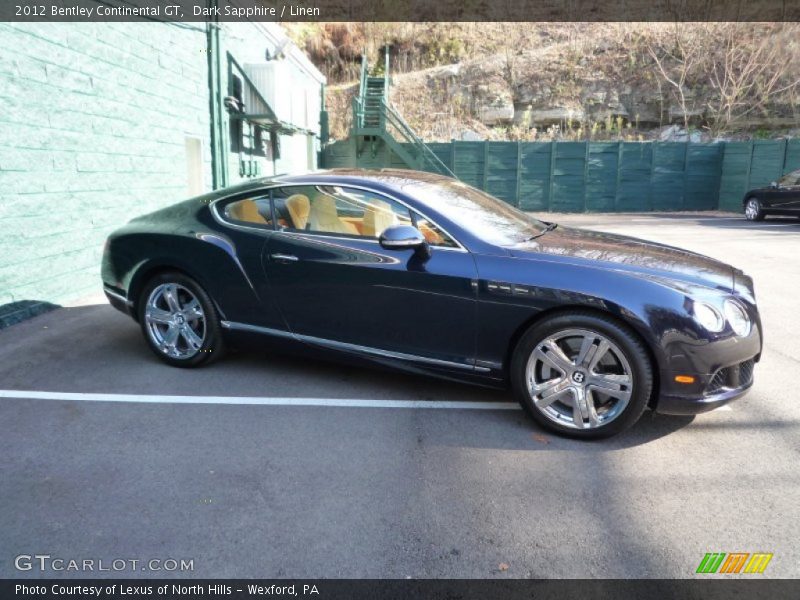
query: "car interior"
343, 213
245, 211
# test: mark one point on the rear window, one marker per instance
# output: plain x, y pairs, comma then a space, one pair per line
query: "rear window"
254, 210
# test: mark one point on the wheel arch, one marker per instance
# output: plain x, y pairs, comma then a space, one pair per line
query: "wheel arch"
616, 316
152, 268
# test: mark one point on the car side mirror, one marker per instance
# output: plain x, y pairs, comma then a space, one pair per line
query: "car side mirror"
403, 237
774, 185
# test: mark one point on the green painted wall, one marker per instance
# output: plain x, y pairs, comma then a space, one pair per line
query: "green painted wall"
94, 121
600, 176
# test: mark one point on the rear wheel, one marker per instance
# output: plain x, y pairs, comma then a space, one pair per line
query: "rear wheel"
582, 375
753, 211
179, 321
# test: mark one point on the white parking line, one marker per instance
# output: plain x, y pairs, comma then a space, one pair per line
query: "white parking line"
253, 400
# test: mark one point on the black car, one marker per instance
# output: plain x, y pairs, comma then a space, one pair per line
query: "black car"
782, 197
424, 273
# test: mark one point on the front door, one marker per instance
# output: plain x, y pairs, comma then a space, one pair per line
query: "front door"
787, 195
334, 284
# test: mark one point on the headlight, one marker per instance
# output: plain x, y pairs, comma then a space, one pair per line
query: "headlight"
708, 316
737, 317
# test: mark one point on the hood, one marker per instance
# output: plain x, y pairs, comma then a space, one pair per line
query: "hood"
613, 251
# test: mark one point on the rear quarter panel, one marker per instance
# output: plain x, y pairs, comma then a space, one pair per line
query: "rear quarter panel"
187, 238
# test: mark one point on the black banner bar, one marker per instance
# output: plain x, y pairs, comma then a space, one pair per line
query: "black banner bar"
737, 587
399, 10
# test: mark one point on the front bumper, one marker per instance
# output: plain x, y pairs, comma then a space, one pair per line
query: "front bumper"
721, 366
724, 385
684, 405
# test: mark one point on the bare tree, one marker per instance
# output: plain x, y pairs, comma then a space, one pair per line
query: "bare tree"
684, 55
748, 77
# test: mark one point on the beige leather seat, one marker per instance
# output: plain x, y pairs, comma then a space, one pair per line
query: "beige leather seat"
299, 208
247, 211
324, 217
377, 217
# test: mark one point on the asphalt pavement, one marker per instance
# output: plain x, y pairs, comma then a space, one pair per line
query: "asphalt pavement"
382, 488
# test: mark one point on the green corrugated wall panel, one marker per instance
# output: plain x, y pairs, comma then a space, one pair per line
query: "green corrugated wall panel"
734, 174
702, 176
395, 161
604, 176
534, 176
468, 162
501, 178
444, 152
668, 181
767, 162
569, 177
792, 159
601, 176
635, 169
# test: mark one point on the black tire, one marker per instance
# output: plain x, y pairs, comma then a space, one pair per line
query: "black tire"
753, 209
635, 360
212, 344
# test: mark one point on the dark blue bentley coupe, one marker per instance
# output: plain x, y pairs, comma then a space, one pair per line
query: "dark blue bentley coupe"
422, 272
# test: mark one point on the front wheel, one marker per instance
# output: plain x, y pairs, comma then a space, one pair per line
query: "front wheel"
179, 321
753, 211
582, 375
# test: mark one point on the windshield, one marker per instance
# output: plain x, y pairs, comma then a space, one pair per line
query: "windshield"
482, 215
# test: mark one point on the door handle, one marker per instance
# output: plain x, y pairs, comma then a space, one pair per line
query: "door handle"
284, 257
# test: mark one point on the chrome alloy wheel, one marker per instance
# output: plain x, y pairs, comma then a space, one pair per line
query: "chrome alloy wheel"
175, 321
579, 379
752, 209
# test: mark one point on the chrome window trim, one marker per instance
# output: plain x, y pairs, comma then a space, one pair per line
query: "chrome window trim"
346, 346
326, 236
220, 219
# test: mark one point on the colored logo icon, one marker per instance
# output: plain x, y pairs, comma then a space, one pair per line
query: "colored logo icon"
734, 562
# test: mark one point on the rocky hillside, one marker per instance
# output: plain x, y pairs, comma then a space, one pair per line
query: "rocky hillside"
572, 81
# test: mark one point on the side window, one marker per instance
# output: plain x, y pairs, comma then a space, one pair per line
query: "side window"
433, 234
292, 206
790, 179
250, 211
337, 210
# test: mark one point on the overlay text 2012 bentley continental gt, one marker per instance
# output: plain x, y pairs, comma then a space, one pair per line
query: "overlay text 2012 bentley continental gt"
424, 273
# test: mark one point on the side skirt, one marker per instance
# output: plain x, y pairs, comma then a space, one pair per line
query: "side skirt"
375, 353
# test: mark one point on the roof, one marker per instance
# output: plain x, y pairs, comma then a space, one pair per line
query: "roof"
387, 179
348, 175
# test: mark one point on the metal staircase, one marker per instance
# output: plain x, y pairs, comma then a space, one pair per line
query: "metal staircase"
376, 121
374, 94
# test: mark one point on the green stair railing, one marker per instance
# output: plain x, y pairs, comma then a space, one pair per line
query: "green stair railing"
373, 115
426, 158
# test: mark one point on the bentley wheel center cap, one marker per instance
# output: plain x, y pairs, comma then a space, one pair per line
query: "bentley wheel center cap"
579, 377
